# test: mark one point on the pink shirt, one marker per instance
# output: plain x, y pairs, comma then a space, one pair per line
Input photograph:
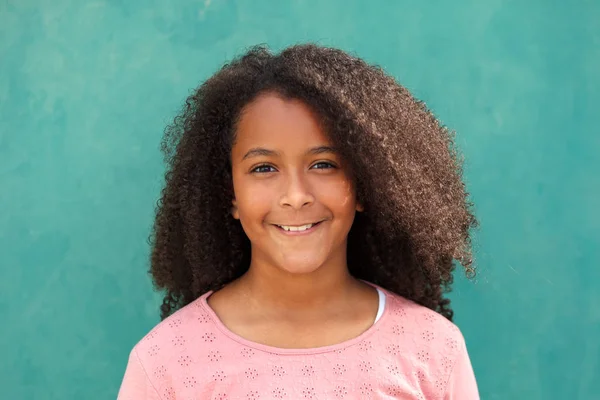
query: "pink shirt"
411, 352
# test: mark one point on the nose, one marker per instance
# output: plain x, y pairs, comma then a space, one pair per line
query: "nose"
296, 192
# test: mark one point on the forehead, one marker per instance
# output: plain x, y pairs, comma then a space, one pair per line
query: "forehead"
273, 121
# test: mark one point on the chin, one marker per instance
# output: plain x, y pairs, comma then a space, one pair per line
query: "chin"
300, 266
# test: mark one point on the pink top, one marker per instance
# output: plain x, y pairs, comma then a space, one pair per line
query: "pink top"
411, 352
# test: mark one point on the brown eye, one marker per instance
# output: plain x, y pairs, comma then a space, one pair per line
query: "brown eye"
261, 169
323, 165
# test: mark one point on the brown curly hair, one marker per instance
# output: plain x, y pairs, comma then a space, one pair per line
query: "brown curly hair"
407, 172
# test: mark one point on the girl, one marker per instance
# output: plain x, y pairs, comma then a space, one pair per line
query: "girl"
307, 231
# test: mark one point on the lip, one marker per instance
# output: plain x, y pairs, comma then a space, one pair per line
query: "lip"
299, 233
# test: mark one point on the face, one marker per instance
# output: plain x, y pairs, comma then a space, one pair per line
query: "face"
293, 195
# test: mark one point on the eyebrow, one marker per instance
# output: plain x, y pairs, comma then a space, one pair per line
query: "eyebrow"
321, 149
260, 151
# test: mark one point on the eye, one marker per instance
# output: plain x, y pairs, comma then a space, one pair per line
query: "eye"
323, 165
263, 168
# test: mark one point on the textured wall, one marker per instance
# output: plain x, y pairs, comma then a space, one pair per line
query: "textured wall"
86, 88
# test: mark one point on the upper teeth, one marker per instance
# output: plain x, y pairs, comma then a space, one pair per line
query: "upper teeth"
296, 228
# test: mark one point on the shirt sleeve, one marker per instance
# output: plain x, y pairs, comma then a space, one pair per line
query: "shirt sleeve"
136, 384
462, 384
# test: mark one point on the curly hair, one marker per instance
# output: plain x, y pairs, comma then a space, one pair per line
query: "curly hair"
407, 172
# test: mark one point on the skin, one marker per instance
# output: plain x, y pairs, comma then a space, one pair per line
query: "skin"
297, 292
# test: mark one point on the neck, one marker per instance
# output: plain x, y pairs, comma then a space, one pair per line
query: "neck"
296, 295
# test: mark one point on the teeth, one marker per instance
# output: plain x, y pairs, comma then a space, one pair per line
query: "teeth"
296, 228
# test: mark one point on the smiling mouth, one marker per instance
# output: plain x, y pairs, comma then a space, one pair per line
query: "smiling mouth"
297, 228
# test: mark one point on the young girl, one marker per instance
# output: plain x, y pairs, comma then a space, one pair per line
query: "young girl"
307, 231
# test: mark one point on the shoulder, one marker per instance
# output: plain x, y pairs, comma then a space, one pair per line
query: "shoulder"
416, 318
172, 332
163, 359
423, 338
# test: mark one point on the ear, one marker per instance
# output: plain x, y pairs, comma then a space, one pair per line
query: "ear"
234, 210
359, 207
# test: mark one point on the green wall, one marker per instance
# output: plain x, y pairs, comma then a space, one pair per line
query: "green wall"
86, 88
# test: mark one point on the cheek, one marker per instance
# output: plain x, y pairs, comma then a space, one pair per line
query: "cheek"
339, 196
253, 202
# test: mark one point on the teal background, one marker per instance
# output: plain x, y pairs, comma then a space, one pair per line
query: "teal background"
86, 88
